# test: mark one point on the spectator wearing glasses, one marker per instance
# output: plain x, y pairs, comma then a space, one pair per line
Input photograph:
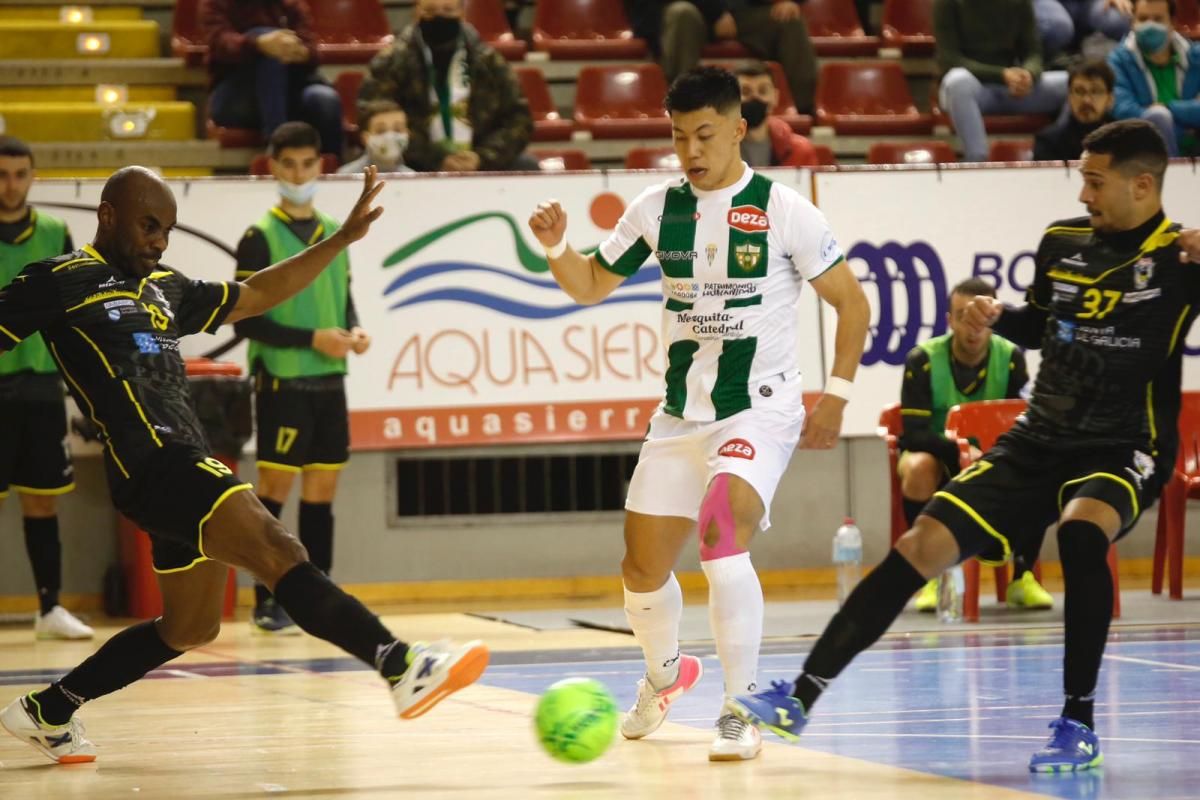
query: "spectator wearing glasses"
1089, 105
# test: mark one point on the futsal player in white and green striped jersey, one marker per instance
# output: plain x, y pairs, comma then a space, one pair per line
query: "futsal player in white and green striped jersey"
735, 248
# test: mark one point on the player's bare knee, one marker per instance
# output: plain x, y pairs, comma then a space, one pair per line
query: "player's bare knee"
38, 506
641, 577
921, 477
189, 635
929, 547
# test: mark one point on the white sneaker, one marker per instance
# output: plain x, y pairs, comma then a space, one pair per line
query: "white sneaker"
62, 743
434, 672
59, 623
650, 709
737, 740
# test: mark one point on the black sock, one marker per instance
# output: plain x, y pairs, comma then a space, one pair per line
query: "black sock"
322, 609
912, 508
867, 613
45, 556
1087, 612
1026, 555
316, 533
261, 593
119, 662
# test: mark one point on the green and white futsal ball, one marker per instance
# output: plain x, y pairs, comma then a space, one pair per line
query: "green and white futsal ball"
576, 720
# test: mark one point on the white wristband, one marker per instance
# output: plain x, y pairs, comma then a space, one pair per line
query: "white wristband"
557, 250
838, 387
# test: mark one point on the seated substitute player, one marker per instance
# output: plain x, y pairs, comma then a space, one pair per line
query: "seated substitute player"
112, 316
34, 459
735, 249
958, 367
1110, 305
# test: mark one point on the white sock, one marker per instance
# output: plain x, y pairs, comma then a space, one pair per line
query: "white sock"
654, 618
735, 612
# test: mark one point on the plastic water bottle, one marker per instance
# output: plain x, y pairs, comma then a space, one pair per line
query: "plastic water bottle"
847, 558
951, 586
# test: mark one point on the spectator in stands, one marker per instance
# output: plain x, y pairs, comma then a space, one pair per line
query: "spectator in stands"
991, 60
384, 127
958, 367
1089, 105
769, 140
772, 30
464, 104
1063, 23
1158, 76
262, 63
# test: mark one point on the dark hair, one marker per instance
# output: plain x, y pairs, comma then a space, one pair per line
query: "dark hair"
973, 287
293, 134
13, 147
1135, 145
373, 109
1170, 5
1092, 68
705, 87
754, 69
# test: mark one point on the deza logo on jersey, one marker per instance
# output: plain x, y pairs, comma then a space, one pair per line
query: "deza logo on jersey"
748, 219
737, 448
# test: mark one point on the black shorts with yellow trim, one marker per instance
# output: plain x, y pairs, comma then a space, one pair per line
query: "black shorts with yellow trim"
302, 425
171, 497
34, 456
1021, 486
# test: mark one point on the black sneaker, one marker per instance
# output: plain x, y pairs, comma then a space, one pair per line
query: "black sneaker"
270, 618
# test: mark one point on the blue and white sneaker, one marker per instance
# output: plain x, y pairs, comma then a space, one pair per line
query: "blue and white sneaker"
775, 709
1073, 746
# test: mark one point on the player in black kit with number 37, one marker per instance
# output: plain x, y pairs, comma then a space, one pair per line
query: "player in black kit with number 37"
112, 316
1110, 307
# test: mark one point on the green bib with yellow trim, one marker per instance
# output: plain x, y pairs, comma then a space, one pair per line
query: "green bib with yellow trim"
45, 238
321, 305
946, 393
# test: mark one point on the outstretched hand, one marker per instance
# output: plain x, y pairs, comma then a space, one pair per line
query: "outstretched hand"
358, 222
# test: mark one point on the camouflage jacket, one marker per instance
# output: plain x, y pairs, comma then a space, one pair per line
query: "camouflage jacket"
497, 111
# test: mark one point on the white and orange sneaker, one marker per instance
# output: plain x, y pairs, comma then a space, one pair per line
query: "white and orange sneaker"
651, 707
435, 671
62, 743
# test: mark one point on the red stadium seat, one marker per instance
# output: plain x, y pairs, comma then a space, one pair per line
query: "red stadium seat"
187, 42
835, 29
584, 29
1184, 484
1012, 150
868, 99
911, 153
725, 48
908, 25
786, 107
557, 160
651, 158
992, 123
349, 31
621, 102
548, 124
985, 421
347, 84
261, 165
487, 16
233, 137
1187, 18
827, 158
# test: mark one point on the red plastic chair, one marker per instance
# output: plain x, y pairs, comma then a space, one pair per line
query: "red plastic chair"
911, 153
1011, 150
725, 48
826, 158
651, 158
863, 98
1183, 485
548, 124
985, 421
908, 25
558, 160
261, 164
584, 29
487, 17
622, 101
233, 137
187, 42
891, 425
349, 31
835, 29
1187, 18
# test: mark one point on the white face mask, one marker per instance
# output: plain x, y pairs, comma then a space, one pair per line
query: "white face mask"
298, 193
387, 147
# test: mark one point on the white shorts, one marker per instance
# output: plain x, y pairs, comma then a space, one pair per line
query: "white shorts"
680, 458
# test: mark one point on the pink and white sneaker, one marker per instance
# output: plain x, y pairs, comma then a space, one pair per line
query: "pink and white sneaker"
651, 707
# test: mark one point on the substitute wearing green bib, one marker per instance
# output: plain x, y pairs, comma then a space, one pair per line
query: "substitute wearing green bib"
298, 356
34, 460
940, 373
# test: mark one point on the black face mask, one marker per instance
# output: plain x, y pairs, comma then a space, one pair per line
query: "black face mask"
438, 31
754, 112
